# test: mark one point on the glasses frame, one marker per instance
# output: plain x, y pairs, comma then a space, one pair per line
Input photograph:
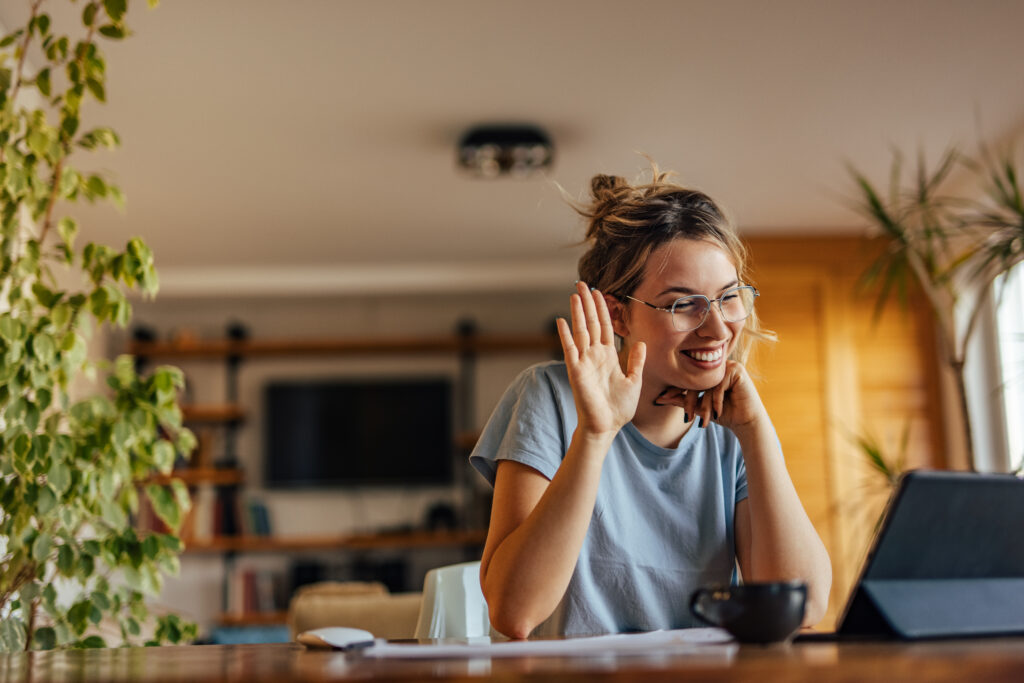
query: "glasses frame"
671, 310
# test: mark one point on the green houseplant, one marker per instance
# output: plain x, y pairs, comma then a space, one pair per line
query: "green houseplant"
953, 245
73, 470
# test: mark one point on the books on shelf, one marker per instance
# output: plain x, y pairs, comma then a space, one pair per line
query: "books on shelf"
257, 518
255, 591
219, 511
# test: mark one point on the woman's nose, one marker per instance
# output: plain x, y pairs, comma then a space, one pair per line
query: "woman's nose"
714, 325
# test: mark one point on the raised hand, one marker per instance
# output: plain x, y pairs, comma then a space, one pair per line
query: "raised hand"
605, 396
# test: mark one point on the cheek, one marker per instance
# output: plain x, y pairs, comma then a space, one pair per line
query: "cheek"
737, 332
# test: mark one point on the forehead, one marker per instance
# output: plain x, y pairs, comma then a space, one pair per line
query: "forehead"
701, 266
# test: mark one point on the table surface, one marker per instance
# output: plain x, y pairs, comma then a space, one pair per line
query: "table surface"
952, 660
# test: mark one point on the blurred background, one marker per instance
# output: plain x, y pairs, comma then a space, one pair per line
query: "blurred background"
295, 166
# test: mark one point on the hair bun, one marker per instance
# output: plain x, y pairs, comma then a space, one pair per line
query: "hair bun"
608, 194
601, 186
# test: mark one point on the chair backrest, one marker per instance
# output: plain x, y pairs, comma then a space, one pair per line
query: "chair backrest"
453, 603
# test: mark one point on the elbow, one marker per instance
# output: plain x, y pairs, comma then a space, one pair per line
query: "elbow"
817, 598
815, 612
508, 616
511, 627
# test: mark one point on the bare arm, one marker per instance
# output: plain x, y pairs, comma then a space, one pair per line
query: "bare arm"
536, 533
775, 540
537, 527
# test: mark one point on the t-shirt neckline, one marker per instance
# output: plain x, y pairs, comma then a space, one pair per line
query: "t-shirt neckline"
654, 449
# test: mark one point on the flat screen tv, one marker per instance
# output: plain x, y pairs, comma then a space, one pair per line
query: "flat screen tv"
358, 432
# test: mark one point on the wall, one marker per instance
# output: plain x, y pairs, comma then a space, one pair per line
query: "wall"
836, 372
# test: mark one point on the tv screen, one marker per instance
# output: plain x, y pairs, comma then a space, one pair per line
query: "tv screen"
341, 433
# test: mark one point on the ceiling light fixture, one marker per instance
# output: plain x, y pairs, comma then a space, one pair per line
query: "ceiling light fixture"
491, 151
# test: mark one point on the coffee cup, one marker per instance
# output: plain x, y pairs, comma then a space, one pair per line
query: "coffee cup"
753, 612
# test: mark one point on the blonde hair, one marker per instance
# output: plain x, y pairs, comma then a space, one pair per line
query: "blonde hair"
628, 222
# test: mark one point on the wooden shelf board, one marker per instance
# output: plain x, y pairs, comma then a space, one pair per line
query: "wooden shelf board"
193, 477
212, 413
221, 348
414, 539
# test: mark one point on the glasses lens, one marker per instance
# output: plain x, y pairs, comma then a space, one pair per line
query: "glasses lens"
689, 312
737, 303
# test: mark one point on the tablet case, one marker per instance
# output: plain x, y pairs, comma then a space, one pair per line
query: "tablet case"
938, 608
948, 561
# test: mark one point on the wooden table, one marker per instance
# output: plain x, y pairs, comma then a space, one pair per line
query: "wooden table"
955, 661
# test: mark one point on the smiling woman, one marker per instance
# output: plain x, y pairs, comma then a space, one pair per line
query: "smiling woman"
644, 466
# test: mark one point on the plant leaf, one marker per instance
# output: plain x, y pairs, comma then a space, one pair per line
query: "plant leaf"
115, 9
44, 638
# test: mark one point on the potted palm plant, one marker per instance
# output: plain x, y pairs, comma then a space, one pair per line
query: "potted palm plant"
953, 245
74, 468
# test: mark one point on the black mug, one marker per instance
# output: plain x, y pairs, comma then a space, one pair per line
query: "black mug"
754, 612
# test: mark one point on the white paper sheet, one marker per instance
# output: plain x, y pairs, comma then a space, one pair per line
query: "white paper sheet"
703, 641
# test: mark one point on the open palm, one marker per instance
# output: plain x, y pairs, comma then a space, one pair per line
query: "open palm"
605, 396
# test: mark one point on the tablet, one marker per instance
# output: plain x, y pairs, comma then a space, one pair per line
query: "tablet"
947, 561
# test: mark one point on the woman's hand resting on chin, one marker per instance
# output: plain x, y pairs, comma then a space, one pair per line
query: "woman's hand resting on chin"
733, 403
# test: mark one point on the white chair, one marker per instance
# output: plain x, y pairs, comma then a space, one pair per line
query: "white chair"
453, 603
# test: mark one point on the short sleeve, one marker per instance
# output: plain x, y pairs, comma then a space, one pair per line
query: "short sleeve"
741, 478
528, 425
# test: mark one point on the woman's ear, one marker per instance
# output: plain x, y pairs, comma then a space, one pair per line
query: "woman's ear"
617, 312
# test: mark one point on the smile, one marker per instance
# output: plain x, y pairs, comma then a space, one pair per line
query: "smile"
705, 356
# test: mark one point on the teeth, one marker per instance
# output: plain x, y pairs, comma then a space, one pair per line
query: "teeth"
706, 356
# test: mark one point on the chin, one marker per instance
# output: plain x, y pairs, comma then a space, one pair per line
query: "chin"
704, 381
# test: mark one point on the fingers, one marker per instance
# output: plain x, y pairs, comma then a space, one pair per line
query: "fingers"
579, 324
673, 396
565, 336
691, 404
591, 321
712, 404
703, 411
605, 318
587, 297
717, 401
695, 404
716, 404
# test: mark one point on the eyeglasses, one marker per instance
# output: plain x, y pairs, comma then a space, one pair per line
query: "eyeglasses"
690, 312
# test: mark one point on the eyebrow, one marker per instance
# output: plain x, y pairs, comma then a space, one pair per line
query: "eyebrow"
687, 291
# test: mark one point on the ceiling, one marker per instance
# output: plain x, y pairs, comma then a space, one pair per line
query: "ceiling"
309, 145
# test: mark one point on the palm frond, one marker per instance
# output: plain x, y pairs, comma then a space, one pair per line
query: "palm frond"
929, 184
1005, 190
875, 209
889, 468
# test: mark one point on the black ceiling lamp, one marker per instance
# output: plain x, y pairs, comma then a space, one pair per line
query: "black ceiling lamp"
491, 151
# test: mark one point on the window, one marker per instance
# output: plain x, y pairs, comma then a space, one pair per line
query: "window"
1010, 323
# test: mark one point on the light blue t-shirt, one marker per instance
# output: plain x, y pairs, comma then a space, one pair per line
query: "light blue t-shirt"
663, 519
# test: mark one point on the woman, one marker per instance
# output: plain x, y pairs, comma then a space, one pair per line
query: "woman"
625, 478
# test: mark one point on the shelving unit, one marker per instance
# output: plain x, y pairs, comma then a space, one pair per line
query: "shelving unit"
228, 479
